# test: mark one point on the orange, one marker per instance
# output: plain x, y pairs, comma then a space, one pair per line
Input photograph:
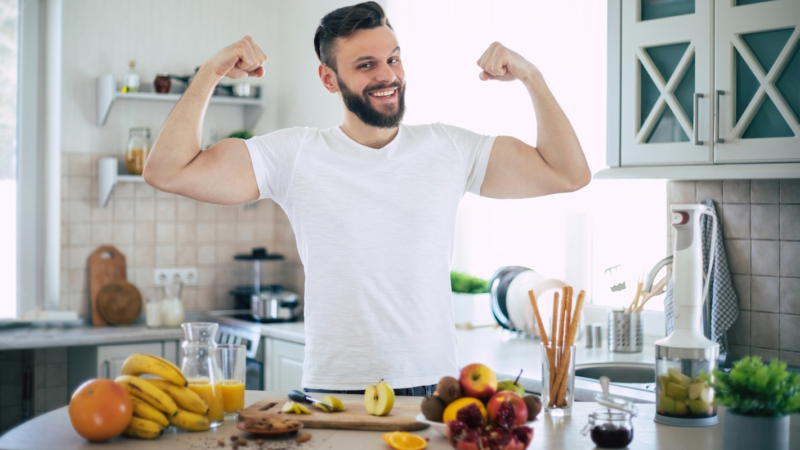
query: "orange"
100, 410
401, 440
453, 408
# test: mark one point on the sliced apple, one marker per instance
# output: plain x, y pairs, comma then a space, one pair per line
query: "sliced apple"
288, 407
335, 402
699, 407
666, 405
663, 381
695, 389
677, 377
681, 409
707, 395
677, 391
379, 399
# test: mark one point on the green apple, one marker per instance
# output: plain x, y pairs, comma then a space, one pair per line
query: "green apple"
663, 381
681, 409
666, 405
510, 385
677, 391
707, 395
699, 407
695, 389
379, 399
677, 377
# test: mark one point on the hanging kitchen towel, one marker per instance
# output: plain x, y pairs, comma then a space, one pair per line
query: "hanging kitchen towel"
724, 303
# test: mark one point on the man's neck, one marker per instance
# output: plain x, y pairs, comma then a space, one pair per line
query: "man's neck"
364, 134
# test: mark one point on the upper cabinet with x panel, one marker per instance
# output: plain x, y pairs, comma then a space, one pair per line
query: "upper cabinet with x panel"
703, 89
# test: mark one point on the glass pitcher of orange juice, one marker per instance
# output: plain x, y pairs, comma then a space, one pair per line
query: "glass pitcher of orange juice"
201, 369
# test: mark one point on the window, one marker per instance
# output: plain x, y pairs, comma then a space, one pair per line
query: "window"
9, 45
441, 43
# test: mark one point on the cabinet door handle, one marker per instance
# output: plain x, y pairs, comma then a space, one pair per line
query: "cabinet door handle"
717, 139
108, 368
695, 127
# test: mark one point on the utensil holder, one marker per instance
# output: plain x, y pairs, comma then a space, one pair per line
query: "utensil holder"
625, 333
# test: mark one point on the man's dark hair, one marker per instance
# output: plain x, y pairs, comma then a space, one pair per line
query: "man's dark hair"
344, 22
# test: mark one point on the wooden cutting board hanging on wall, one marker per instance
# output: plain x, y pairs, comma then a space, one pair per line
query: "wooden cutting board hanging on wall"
106, 264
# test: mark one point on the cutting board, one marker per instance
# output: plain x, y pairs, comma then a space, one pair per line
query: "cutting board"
119, 303
106, 264
354, 417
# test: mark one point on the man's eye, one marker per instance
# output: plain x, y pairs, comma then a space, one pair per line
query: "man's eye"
394, 60
363, 66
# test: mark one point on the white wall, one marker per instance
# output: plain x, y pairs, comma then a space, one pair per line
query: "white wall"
175, 36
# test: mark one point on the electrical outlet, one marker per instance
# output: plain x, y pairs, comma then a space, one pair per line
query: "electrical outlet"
165, 277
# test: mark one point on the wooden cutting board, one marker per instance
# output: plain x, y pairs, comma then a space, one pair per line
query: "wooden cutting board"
106, 264
354, 417
119, 303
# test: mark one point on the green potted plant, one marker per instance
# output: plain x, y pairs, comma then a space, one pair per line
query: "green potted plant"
471, 300
760, 399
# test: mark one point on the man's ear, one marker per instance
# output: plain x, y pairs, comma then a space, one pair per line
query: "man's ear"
328, 78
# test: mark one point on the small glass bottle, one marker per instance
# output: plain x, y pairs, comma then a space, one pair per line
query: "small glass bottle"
138, 150
610, 428
130, 82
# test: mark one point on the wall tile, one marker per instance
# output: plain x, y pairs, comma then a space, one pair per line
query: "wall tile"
227, 232
764, 191
165, 233
143, 277
145, 233
682, 192
56, 355
764, 222
56, 398
55, 375
736, 191
124, 191
145, 211
736, 352
165, 256
123, 234
187, 232
80, 234
207, 232
766, 355
739, 332
103, 215
710, 189
765, 294
790, 358
226, 213
166, 210
246, 232
790, 295
187, 211
78, 257
246, 213
207, 212
102, 233
10, 395
123, 211
790, 332
765, 258
80, 188
790, 191
11, 373
77, 210
144, 191
741, 284
206, 255
764, 330
737, 251
144, 255
735, 221
77, 280
790, 222
186, 256
790, 259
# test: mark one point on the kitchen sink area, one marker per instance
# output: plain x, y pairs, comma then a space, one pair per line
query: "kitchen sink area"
632, 376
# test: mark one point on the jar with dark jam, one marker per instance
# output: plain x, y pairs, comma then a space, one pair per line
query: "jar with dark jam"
610, 428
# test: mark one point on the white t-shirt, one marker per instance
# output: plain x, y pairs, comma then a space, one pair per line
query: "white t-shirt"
374, 230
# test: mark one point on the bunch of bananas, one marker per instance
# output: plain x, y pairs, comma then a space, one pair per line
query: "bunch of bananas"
159, 402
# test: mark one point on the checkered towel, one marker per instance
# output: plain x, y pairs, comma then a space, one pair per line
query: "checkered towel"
724, 304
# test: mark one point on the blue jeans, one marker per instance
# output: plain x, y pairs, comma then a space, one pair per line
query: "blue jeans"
419, 391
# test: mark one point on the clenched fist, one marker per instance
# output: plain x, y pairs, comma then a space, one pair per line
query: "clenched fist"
500, 63
240, 60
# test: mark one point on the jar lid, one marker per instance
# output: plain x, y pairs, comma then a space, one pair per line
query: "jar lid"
259, 254
612, 401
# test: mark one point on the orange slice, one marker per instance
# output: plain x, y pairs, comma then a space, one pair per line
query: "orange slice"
401, 440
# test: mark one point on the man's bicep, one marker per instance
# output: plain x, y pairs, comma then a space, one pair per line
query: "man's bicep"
222, 175
517, 170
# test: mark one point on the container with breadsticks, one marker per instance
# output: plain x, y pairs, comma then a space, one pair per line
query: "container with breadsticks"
558, 352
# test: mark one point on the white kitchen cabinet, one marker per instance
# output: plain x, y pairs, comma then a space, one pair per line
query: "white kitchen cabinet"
284, 365
709, 88
105, 361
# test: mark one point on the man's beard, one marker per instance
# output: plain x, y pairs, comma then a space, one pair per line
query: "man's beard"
361, 107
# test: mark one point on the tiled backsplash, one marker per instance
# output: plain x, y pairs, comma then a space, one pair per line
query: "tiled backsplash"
154, 229
761, 228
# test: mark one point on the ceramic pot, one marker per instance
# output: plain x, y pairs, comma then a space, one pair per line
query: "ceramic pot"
747, 432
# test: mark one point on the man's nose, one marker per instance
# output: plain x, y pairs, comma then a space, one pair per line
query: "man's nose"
385, 74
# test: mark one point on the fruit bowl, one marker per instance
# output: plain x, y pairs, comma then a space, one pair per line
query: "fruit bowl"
441, 428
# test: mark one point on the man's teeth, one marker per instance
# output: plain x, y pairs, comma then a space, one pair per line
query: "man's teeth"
382, 93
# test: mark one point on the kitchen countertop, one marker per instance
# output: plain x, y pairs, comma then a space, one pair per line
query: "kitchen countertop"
46, 337
549, 432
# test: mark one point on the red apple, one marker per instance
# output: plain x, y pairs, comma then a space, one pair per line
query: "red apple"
516, 403
478, 381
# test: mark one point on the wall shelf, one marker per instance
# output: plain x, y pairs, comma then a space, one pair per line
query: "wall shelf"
107, 94
108, 176
702, 172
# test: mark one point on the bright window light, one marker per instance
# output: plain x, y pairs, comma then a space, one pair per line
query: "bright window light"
9, 14
441, 42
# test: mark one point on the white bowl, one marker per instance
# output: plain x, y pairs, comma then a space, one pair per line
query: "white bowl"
438, 426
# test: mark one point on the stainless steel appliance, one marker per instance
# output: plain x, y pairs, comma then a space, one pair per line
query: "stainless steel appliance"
273, 304
233, 331
256, 272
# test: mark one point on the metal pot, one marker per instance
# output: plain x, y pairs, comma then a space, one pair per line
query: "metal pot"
273, 305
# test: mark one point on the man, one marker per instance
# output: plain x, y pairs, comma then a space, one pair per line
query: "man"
373, 201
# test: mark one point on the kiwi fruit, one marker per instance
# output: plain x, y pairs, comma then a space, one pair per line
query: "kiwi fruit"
449, 389
433, 408
534, 405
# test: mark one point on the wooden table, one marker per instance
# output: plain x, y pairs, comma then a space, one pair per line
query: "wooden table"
54, 431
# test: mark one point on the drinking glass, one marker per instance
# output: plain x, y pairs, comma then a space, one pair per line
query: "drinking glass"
232, 361
558, 391
200, 367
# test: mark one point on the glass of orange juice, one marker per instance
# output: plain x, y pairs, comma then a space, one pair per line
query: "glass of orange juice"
232, 361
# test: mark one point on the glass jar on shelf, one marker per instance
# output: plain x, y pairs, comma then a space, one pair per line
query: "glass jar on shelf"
130, 81
138, 150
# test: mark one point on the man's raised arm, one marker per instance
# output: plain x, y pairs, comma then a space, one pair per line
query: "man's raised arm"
223, 174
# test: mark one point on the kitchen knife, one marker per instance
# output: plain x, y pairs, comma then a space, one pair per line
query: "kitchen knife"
303, 398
